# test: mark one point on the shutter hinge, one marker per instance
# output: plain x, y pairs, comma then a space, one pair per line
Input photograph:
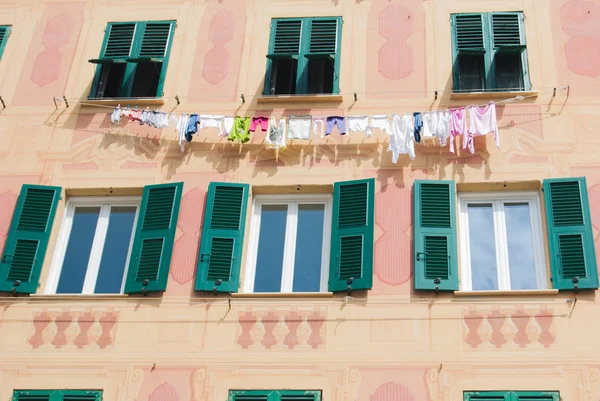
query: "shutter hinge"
218, 282
15, 285
575, 281
144, 285
349, 282
437, 281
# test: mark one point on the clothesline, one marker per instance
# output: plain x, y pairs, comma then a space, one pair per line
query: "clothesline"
495, 90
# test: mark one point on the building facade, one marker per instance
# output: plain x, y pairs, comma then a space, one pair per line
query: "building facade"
283, 264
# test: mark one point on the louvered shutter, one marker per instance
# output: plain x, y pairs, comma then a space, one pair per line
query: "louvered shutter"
434, 235
118, 43
28, 237
351, 258
285, 38
300, 395
570, 235
154, 237
488, 396
154, 41
4, 34
535, 396
79, 395
508, 31
32, 395
323, 39
468, 33
222, 240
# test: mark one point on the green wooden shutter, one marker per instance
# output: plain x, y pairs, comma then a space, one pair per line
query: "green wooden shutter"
434, 235
285, 38
152, 41
154, 237
80, 395
535, 396
351, 258
28, 237
487, 396
252, 395
323, 37
118, 43
4, 34
222, 241
32, 395
468, 33
570, 236
507, 31
299, 395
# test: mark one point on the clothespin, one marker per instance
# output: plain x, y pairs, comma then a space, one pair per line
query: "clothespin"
119, 106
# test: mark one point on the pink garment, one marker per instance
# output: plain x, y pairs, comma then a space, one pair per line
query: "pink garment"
483, 121
262, 121
458, 125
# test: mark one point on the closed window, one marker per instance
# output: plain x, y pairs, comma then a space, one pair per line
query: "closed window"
289, 244
501, 242
511, 396
304, 56
94, 246
57, 395
275, 395
489, 52
133, 60
4, 34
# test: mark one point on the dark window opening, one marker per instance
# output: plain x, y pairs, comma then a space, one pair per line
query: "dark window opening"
320, 76
283, 77
509, 72
471, 72
146, 78
111, 80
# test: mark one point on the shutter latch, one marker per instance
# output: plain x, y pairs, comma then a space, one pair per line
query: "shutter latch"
144, 285
437, 281
349, 282
575, 280
15, 285
218, 282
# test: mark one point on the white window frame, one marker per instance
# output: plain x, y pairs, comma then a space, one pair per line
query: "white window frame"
292, 201
93, 267
497, 199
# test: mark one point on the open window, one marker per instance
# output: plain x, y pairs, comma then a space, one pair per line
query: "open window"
489, 52
133, 61
304, 56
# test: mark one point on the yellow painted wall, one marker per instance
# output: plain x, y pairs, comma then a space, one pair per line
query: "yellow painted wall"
388, 344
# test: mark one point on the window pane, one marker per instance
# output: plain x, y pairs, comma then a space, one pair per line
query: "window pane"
520, 246
309, 246
482, 241
509, 75
283, 77
79, 247
116, 246
271, 241
320, 75
111, 80
145, 82
470, 72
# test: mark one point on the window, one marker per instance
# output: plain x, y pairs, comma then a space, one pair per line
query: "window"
4, 34
57, 395
501, 242
289, 244
94, 247
489, 52
133, 61
511, 396
290, 241
275, 395
501, 239
304, 56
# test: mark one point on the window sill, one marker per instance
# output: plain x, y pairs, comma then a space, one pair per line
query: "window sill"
283, 295
75, 297
151, 101
300, 98
491, 95
514, 293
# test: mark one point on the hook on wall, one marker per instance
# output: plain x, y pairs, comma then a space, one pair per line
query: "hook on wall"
177, 99
554, 92
243, 98
66, 101
355, 97
436, 95
3, 104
